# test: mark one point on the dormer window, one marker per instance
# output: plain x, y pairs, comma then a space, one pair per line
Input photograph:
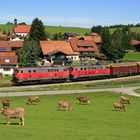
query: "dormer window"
82, 38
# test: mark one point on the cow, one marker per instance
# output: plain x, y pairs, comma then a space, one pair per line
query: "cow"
64, 105
5, 103
13, 113
120, 106
33, 100
83, 100
125, 99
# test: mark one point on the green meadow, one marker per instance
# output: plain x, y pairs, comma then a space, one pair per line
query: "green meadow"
132, 56
52, 29
96, 121
63, 29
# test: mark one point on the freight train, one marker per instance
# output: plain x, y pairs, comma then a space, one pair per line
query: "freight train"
67, 73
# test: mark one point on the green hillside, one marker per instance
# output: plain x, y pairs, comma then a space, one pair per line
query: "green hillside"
52, 29
62, 29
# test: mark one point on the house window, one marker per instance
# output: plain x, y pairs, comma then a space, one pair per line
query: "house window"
29, 71
6, 69
7, 60
2, 49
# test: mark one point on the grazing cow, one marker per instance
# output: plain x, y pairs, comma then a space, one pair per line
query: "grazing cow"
33, 100
13, 113
64, 105
5, 103
119, 106
124, 99
83, 100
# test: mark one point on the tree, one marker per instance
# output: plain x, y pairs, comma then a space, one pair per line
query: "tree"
4, 31
29, 54
37, 31
115, 52
97, 29
126, 41
57, 36
106, 41
22, 23
112, 50
117, 37
8, 33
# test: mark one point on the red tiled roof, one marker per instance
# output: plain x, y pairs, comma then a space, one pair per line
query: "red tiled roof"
95, 38
22, 29
75, 43
7, 58
15, 44
135, 42
49, 47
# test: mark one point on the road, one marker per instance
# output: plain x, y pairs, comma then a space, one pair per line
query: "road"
123, 90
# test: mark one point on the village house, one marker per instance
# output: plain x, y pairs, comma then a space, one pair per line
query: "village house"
8, 58
136, 45
86, 48
58, 50
19, 32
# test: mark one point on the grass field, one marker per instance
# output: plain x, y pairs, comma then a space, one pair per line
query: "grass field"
52, 29
132, 56
96, 121
63, 29
137, 90
129, 82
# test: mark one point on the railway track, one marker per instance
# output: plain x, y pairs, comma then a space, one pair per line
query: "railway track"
68, 83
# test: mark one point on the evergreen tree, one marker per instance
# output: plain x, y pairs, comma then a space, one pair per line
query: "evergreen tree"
115, 52
37, 31
111, 45
97, 29
126, 41
106, 41
28, 55
117, 37
22, 54
8, 33
4, 31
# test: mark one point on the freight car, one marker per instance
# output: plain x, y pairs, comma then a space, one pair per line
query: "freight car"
57, 74
124, 69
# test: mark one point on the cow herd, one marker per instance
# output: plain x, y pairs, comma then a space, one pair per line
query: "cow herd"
8, 113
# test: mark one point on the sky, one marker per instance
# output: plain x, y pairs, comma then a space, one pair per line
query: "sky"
77, 13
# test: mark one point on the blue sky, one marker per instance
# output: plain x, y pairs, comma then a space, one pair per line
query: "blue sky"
80, 13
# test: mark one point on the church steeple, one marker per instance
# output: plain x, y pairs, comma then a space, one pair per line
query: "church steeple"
15, 22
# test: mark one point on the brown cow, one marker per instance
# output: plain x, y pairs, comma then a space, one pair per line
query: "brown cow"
119, 106
125, 99
5, 103
83, 100
64, 105
33, 100
13, 113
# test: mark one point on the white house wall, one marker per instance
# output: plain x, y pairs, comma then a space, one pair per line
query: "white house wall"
22, 34
73, 57
3, 73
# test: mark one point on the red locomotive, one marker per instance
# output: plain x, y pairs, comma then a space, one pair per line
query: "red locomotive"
50, 74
